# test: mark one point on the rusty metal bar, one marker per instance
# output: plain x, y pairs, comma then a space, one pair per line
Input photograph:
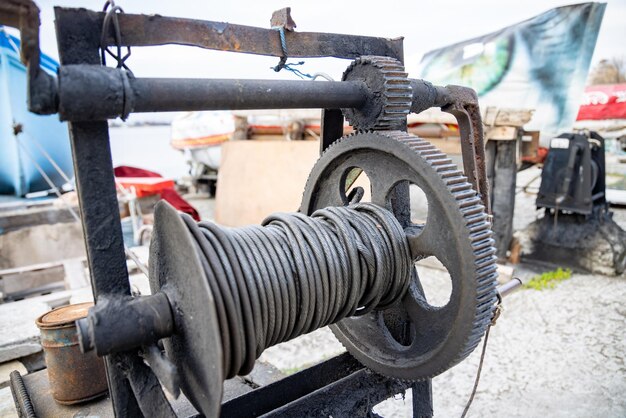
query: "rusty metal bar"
463, 105
143, 30
24, 15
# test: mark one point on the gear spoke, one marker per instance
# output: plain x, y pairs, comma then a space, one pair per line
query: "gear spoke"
456, 231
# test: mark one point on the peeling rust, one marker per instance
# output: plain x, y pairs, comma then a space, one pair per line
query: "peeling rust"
74, 377
464, 107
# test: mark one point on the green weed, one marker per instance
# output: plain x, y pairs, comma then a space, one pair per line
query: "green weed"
548, 279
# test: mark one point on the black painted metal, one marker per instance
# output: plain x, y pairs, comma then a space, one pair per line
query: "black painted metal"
24, 15
573, 177
113, 93
332, 127
352, 396
462, 242
95, 183
340, 384
124, 323
292, 388
426, 95
21, 397
423, 399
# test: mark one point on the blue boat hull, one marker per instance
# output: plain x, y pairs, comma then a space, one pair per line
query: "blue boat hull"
21, 154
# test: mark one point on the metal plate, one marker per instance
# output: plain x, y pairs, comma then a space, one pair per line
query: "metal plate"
456, 232
196, 347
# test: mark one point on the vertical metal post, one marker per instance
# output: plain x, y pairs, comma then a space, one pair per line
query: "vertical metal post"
423, 399
502, 168
95, 184
332, 127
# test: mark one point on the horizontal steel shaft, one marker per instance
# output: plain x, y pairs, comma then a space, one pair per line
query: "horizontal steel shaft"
90, 92
157, 95
97, 93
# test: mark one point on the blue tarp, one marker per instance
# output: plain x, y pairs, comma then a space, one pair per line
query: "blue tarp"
19, 160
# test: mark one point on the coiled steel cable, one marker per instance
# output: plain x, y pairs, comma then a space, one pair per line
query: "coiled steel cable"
296, 273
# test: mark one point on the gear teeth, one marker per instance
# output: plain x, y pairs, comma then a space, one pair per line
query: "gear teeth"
477, 230
394, 100
479, 233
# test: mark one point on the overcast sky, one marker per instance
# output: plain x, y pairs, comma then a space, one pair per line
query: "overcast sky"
424, 25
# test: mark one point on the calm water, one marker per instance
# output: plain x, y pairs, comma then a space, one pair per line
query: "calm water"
147, 147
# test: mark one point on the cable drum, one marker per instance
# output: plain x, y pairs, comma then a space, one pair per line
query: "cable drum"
297, 273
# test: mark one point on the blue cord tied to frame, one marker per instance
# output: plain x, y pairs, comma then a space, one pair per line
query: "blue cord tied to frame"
283, 60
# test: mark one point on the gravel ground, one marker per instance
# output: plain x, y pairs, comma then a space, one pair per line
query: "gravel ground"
556, 352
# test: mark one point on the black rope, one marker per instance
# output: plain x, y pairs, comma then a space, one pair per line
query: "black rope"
296, 273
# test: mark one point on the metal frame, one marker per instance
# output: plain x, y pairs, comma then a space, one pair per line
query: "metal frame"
87, 94
78, 34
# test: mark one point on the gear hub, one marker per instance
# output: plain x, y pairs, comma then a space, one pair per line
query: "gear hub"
390, 94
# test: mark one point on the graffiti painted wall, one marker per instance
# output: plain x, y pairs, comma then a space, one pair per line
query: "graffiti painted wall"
541, 63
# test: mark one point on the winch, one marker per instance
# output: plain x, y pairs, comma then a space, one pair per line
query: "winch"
220, 296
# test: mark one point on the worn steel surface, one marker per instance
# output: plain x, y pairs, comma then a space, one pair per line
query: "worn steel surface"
113, 93
42, 88
244, 311
463, 105
390, 96
124, 323
331, 127
457, 232
33, 393
79, 42
142, 30
23, 403
269, 398
74, 376
338, 387
352, 396
89, 94
195, 348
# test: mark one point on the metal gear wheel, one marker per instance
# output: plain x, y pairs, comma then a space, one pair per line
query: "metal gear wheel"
390, 101
415, 340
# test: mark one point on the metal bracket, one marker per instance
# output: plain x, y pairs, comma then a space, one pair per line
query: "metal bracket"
463, 105
42, 87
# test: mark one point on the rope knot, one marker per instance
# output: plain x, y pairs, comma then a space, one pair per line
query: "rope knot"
283, 60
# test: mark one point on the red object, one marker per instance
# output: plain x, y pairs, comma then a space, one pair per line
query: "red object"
138, 177
145, 186
542, 153
603, 102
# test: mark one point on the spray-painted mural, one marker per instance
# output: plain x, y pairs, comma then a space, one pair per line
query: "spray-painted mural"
541, 63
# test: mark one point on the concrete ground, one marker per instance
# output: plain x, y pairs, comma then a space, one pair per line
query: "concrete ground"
553, 353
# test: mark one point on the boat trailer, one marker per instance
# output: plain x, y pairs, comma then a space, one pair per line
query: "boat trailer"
221, 296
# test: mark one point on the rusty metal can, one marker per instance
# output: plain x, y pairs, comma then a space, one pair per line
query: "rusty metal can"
74, 377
